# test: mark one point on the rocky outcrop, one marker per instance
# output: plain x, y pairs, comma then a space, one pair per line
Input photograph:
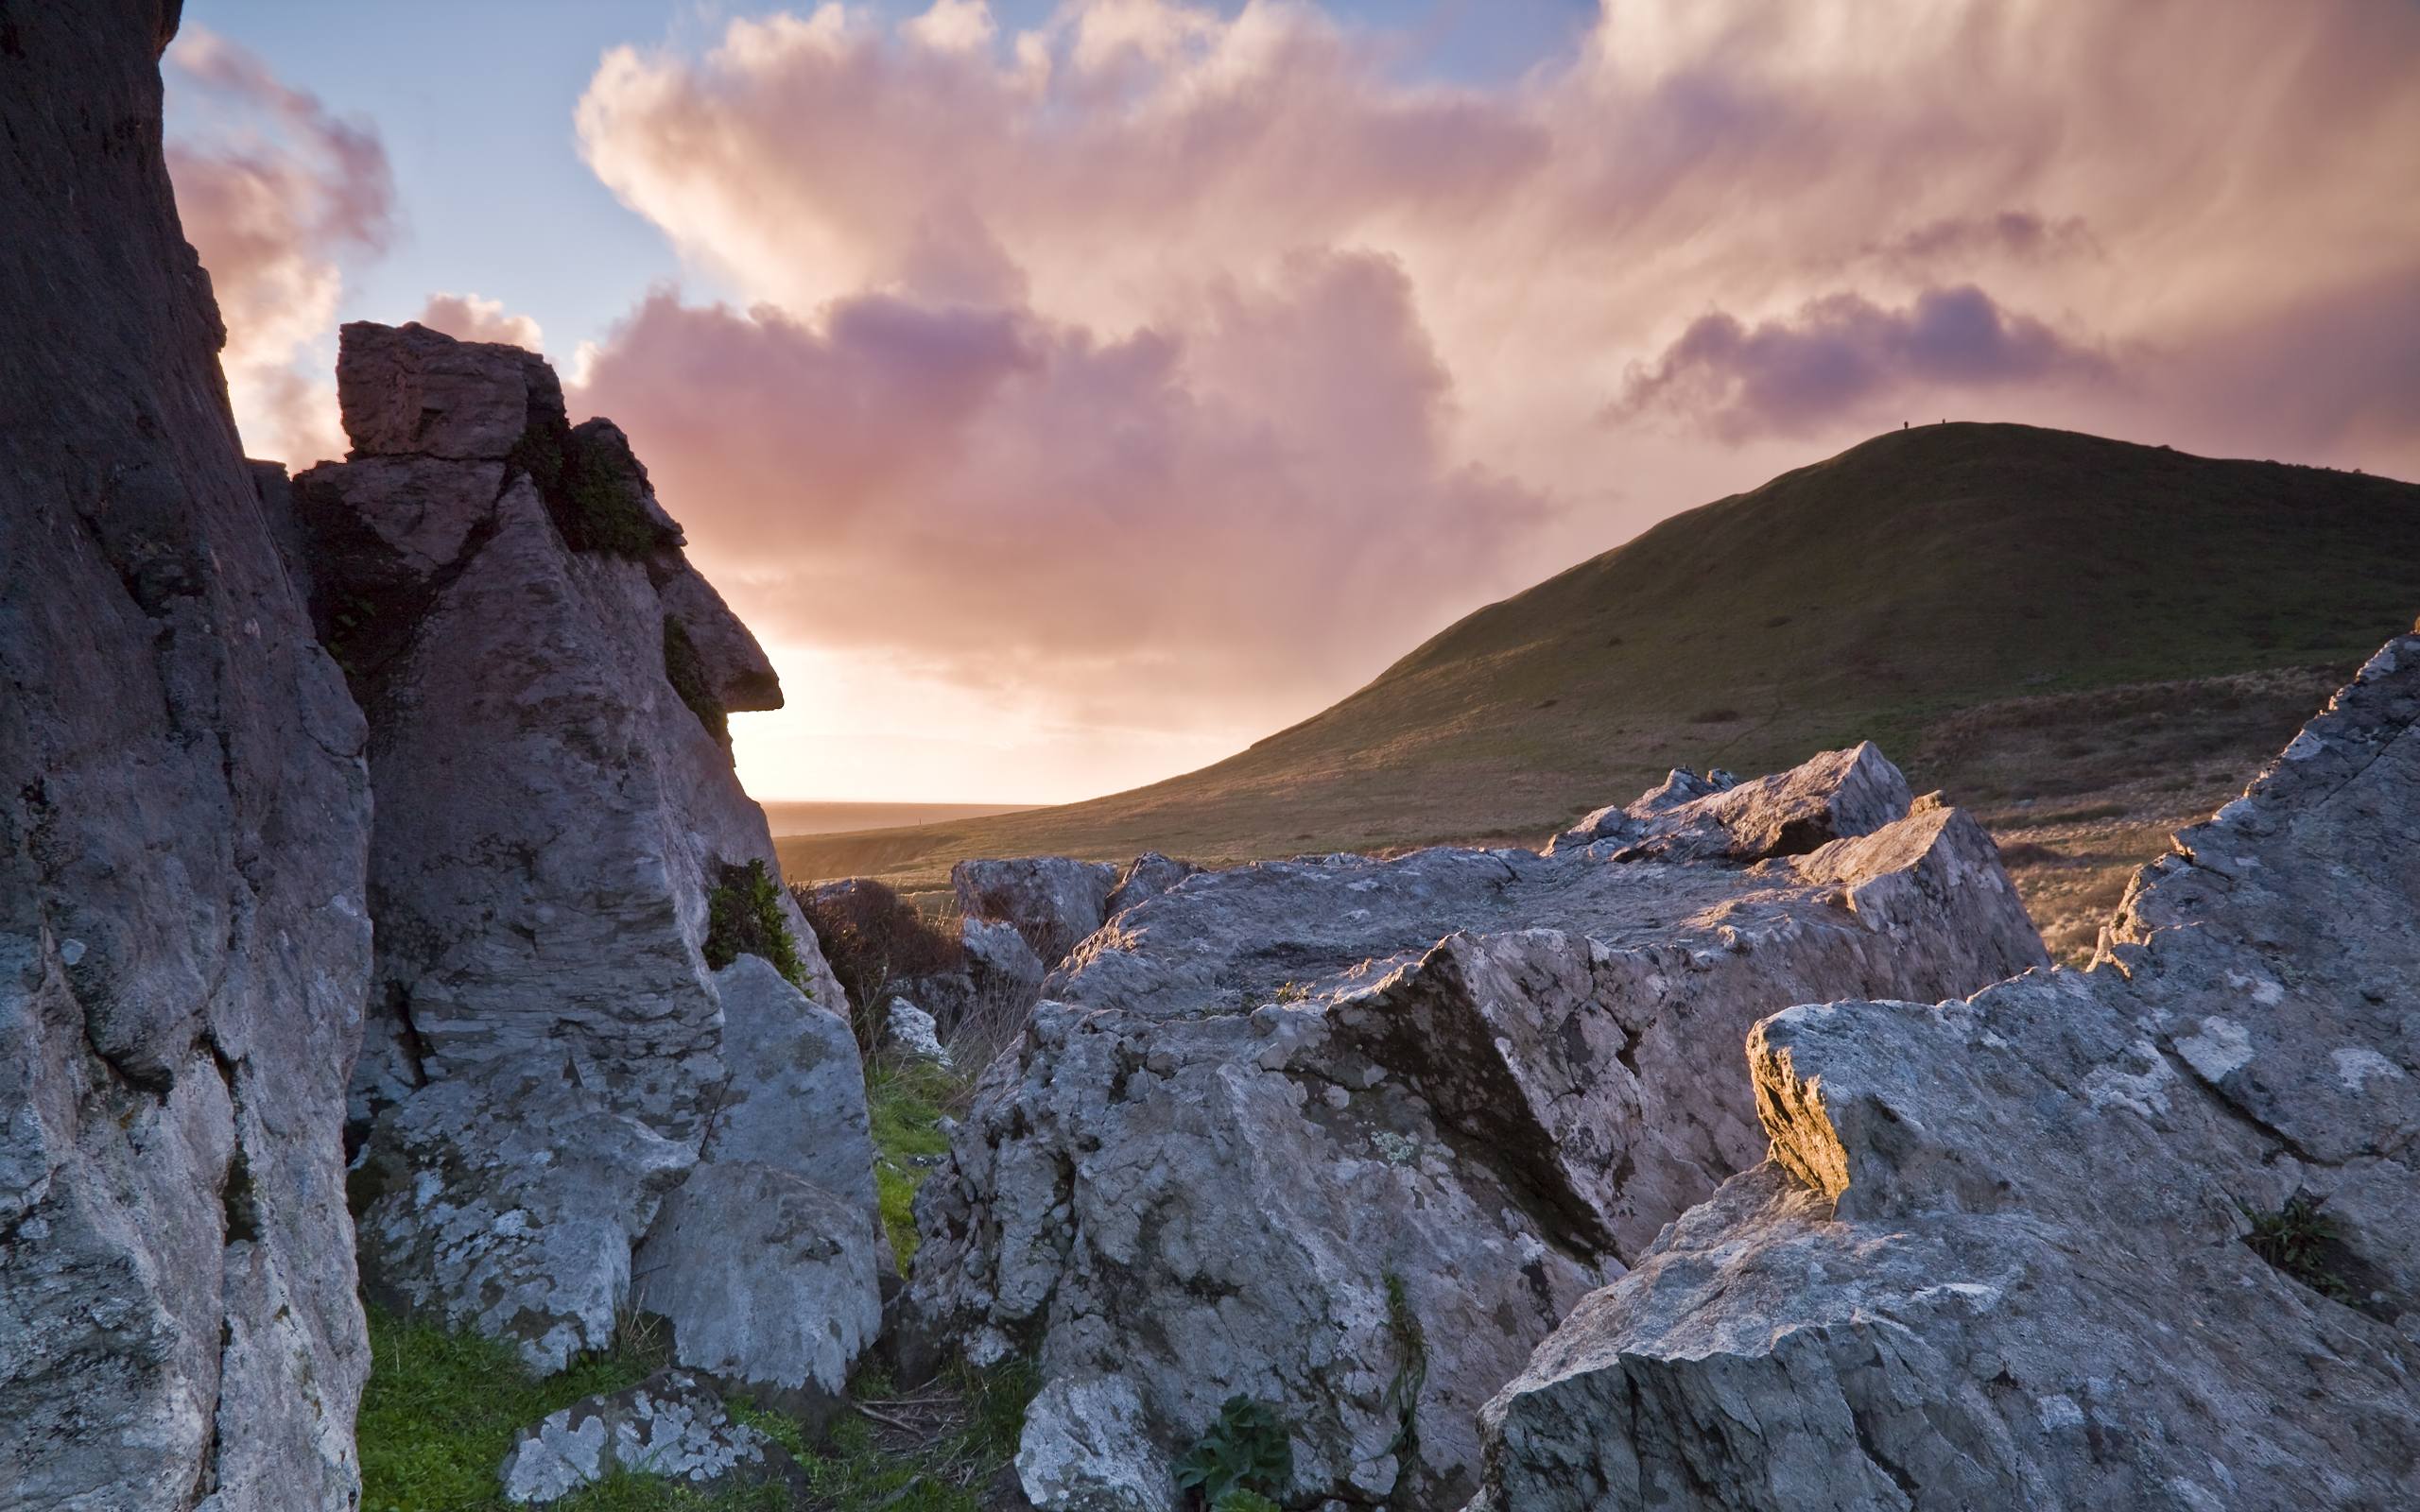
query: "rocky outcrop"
1147, 876
2135, 1237
598, 1020
1349, 1137
183, 820
1052, 900
670, 1425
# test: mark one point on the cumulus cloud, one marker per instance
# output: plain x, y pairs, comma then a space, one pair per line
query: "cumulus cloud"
1196, 358
1252, 503
469, 317
274, 191
1839, 355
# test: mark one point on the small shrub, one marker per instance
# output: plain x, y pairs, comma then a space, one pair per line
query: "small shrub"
1293, 992
1244, 1501
687, 671
1248, 1449
744, 917
591, 500
2301, 1242
871, 938
2029, 853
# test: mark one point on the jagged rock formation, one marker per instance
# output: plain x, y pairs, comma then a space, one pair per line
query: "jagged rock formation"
183, 822
557, 1074
1053, 901
1349, 1137
2017, 1252
670, 1425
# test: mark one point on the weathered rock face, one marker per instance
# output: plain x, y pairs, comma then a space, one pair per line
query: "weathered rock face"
2003, 1254
552, 1055
184, 823
1147, 876
671, 1424
1054, 901
768, 1283
1349, 1137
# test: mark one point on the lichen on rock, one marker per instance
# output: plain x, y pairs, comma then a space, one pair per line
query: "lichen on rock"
2009, 1251
1263, 1115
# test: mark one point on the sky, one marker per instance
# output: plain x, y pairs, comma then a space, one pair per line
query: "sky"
1069, 394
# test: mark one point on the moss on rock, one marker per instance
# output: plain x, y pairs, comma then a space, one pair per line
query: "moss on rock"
744, 917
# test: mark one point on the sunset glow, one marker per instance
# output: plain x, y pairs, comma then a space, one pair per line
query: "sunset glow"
1070, 396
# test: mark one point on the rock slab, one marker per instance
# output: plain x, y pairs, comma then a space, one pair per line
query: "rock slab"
2005, 1252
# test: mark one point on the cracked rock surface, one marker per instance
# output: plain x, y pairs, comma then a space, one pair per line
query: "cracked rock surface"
185, 944
1350, 1136
550, 1056
2002, 1253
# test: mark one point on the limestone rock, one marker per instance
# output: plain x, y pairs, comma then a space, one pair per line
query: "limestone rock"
913, 1032
1349, 1137
769, 1283
1004, 975
1147, 876
550, 1056
410, 390
2001, 1253
1053, 901
740, 673
506, 1202
796, 1100
184, 945
671, 1424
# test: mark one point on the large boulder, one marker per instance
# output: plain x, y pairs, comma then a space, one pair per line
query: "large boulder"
769, 1283
2135, 1237
1054, 901
590, 987
507, 1204
1349, 1137
185, 944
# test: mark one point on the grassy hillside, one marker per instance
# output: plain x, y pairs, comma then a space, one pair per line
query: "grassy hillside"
1965, 594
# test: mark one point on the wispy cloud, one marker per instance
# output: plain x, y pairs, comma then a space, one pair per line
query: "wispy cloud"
275, 190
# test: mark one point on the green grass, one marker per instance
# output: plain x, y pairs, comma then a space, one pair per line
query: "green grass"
441, 1412
854, 1471
1906, 582
905, 1104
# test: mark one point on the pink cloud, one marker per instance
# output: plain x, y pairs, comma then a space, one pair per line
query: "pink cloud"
1842, 356
1164, 352
469, 317
274, 191
1251, 505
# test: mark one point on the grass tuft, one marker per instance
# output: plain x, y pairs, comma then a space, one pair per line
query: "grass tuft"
905, 1104
441, 1412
